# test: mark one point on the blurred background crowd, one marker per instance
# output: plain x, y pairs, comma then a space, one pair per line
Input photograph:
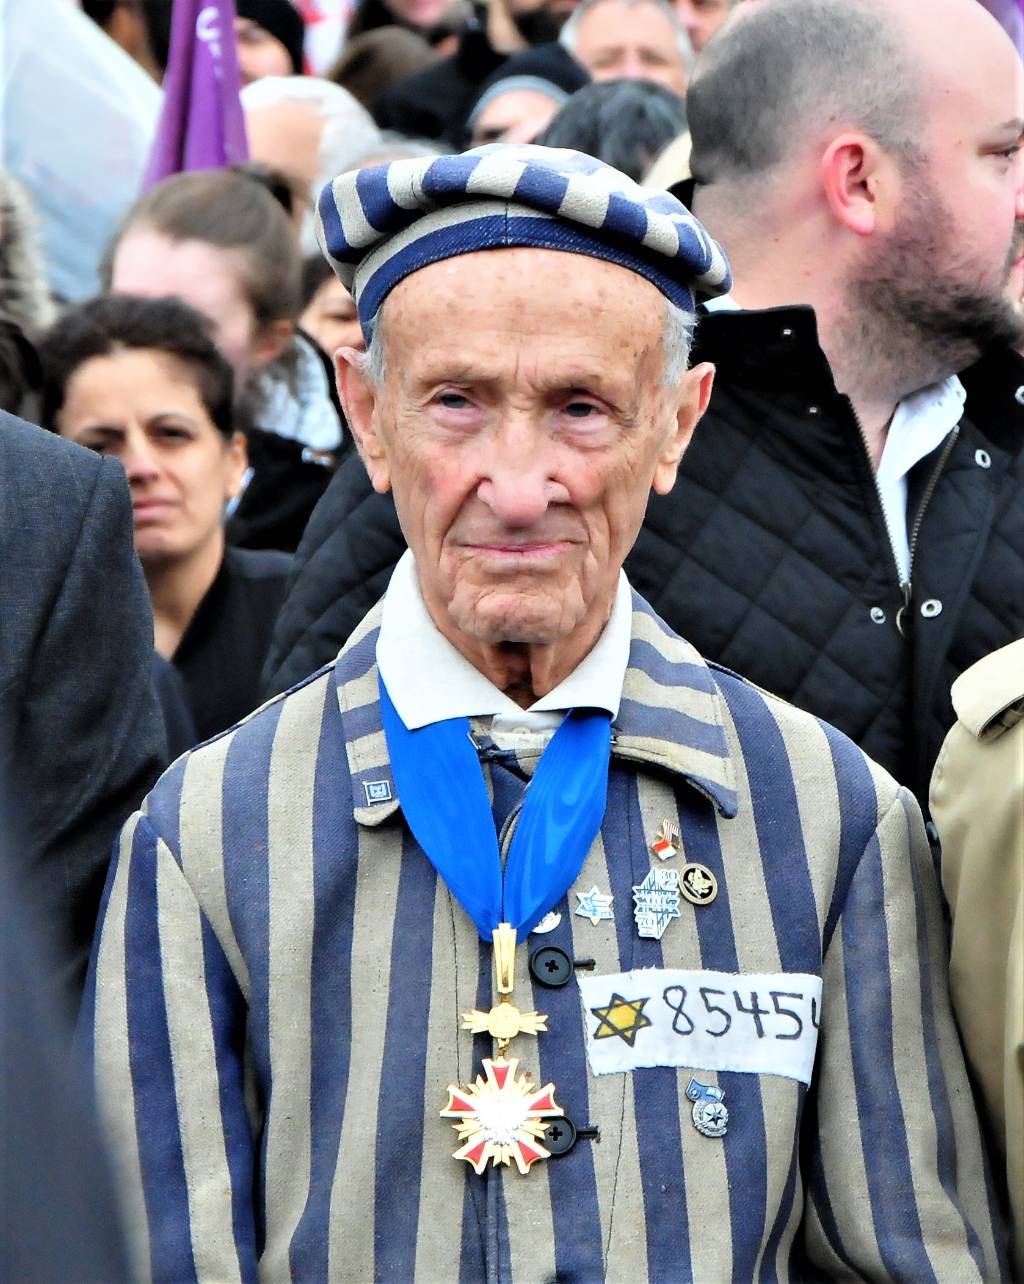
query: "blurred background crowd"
163, 301
227, 393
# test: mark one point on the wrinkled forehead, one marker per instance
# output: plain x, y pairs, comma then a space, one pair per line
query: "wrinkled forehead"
551, 308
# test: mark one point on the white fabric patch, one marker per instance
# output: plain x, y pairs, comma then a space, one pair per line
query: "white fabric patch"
754, 1022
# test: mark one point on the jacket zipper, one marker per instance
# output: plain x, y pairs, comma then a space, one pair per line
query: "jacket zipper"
915, 530
509, 828
905, 586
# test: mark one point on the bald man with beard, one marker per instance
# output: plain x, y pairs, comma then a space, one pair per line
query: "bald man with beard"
848, 529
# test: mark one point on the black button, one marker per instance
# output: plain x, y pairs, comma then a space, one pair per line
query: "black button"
551, 966
560, 1136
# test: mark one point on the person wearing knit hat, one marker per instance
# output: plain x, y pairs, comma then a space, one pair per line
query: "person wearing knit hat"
519, 100
378, 225
500, 946
269, 34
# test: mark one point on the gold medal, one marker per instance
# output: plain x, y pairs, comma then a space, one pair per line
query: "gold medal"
499, 1117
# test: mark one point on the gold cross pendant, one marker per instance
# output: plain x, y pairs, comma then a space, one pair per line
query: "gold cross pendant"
504, 1021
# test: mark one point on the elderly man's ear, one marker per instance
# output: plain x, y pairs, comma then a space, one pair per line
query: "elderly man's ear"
359, 401
691, 399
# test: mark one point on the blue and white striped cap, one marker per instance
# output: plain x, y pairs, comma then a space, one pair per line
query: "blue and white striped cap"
379, 225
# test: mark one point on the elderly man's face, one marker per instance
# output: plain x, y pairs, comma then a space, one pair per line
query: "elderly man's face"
522, 423
634, 42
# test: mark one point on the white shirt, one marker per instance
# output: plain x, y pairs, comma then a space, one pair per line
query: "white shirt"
920, 424
429, 680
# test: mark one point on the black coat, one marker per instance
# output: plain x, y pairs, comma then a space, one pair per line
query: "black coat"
771, 554
80, 735
435, 102
214, 679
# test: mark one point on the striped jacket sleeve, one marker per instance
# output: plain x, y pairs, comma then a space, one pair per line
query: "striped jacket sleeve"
167, 1033
897, 1181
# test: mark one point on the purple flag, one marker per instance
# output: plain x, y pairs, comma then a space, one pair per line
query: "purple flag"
201, 125
1011, 14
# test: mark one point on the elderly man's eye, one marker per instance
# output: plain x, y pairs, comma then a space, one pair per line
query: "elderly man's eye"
580, 410
453, 401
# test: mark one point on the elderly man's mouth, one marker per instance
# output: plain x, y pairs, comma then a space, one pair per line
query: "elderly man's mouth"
521, 554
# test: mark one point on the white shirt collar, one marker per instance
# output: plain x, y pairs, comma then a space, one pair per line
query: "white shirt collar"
429, 680
922, 422
721, 303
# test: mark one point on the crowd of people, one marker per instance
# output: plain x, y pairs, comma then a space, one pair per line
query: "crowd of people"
563, 537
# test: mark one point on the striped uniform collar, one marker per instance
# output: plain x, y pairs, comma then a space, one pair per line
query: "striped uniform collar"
670, 717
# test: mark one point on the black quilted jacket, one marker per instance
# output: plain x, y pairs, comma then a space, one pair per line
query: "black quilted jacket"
771, 554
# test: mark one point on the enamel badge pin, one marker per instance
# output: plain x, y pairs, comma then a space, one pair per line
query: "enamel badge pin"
698, 884
710, 1116
656, 902
667, 841
594, 905
548, 923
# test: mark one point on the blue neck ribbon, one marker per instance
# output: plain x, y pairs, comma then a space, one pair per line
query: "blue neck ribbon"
443, 796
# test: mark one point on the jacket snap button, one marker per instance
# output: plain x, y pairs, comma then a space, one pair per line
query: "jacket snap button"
983, 459
814, 410
551, 966
787, 333
560, 1136
931, 608
877, 615
1018, 396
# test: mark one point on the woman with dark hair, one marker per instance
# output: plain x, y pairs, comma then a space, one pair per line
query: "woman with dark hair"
269, 36
141, 379
223, 243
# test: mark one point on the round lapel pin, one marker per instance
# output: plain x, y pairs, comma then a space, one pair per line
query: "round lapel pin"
698, 884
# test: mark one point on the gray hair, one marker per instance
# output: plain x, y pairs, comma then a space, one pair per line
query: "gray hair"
569, 36
349, 131
785, 67
677, 338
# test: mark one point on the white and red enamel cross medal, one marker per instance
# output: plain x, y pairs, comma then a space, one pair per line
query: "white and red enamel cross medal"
499, 1117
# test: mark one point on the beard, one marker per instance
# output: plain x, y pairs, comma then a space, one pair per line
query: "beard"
921, 299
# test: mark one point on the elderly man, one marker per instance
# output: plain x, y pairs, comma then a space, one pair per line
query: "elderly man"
634, 39
663, 951
848, 529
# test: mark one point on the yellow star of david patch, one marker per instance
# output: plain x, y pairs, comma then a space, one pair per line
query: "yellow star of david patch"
621, 1019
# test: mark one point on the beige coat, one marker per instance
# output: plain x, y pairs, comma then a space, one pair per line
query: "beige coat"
977, 801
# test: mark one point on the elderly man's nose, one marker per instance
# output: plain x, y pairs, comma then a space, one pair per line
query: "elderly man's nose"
518, 493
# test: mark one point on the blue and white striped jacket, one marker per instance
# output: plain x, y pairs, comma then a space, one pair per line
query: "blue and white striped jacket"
275, 1012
